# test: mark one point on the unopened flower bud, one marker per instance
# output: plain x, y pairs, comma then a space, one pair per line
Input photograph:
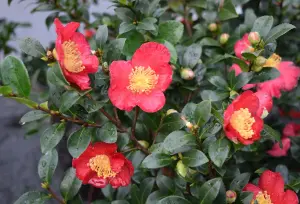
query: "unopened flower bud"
224, 38
170, 111
93, 52
187, 74
54, 53
105, 67
230, 196
173, 67
181, 169
260, 61
265, 113
254, 38
189, 125
144, 143
45, 185
213, 27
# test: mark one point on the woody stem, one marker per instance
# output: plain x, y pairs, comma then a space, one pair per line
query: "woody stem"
53, 195
117, 122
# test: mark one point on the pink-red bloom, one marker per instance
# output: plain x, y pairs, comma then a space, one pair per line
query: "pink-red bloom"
290, 130
74, 54
265, 103
270, 190
242, 45
142, 80
241, 120
100, 164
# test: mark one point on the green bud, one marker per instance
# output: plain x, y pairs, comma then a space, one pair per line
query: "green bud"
260, 61
187, 74
170, 111
213, 27
257, 68
230, 196
181, 169
144, 143
224, 38
254, 38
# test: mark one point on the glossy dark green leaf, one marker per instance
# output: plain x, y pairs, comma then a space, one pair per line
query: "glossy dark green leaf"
188, 111
174, 200
25, 101
219, 82
172, 51
156, 160
33, 116
147, 24
50, 19
101, 35
242, 79
194, 158
68, 99
70, 184
78, 142
51, 137
108, 133
171, 123
278, 31
55, 76
294, 185
192, 55
146, 187
165, 184
179, 141
209, 42
209, 191
125, 14
240, 181
33, 197
265, 74
108, 192
15, 75
47, 165
269, 133
133, 41
115, 49
284, 172
214, 95
227, 11
171, 31
76, 200
202, 112
5, 90
155, 197
120, 202
263, 25
218, 151
32, 47
126, 27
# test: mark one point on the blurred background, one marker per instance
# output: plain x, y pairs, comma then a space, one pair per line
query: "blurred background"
19, 156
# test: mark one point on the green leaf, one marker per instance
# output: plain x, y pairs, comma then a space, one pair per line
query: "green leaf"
56, 77
47, 165
165, 184
101, 35
188, 111
171, 123
278, 31
126, 27
219, 82
51, 137
263, 25
218, 151
76, 200
78, 142
174, 200
171, 31
15, 75
9, 2
120, 202
172, 51
156, 160
265, 74
270, 133
246, 197
242, 79
68, 99
146, 187
133, 41
214, 95
125, 14
179, 141
209, 191
50, 19
240, 181
202, 112
147, 24
209, 42
294, 185
108, 133
5, 90
25, 101
33, 116
284, 171
70, 184
33, 197
155, 197
32, 47
151, 120
192, 55
91, 105
115, 49
227, 11
194, 158
100, 202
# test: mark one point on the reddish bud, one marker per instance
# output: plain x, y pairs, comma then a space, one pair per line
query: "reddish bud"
230, 196
213, 27
224, 38
254, 38
187, 74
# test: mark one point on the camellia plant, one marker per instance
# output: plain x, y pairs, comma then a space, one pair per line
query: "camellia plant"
179, 101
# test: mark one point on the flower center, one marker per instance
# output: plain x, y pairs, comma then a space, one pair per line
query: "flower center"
273, 61
242, 122
142, 80
262, 198
72, 60
101, 165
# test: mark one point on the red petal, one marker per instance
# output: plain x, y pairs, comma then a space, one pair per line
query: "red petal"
59, 26
70, 30
104, 148
165, 77
290, 197
152, 102
124, 177
98, 182
83, 171
117, 162
265, 102
119, 72
291, 129
252, 188
236, 69
91, 64
151, 54
122, 98
82, 80
276, 151
247, 100
241, 45
82, 44
289, 74
273, 183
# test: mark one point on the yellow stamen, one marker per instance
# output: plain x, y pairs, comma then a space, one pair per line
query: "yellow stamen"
72, 60
262, 198
142, 80
101, 165
242, 122
273, 61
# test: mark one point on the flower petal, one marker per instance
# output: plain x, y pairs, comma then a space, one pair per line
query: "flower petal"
252, 188
247, 100
82, 80
122, 98
165, 77
265, 102
289, 74
104, 148
82, 44
151, 54
117, 162
290, 197
291, 129
276, 150
83, 171
119, 72
124, 177
152, 102
98, 182
241, 46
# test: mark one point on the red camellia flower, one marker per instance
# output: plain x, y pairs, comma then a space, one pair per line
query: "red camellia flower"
74, 54
241, 121
242, 45
270, 190
290, 130
265, 103
141, 81
101, 164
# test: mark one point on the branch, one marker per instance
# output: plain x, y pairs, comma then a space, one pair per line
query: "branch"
53, 195
113, 120
186, 21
